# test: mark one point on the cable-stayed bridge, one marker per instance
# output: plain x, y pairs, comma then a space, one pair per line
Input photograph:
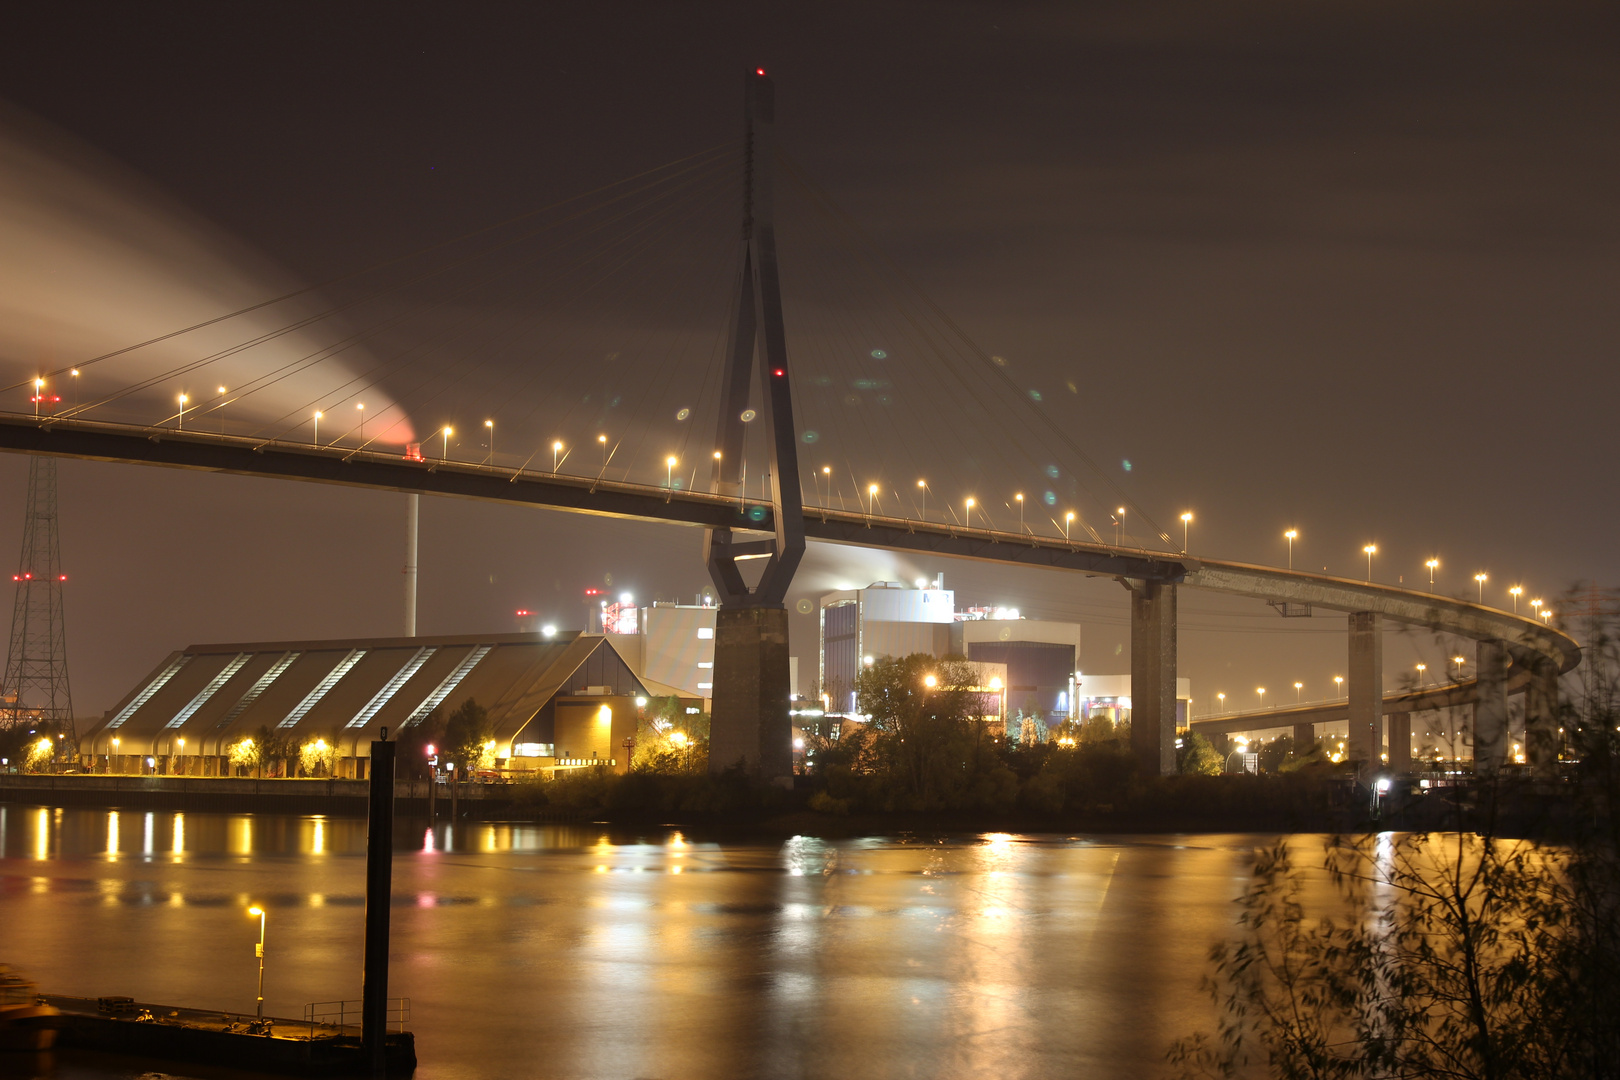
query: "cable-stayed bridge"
535, 300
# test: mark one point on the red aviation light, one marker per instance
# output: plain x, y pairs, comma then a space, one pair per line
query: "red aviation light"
61, 577
779, 372
759, 71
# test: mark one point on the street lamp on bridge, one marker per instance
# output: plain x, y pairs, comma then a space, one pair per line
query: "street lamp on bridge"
180, 421
444, 454
1481, 578
1297, 688
1260, 690
1186, 521
1291, 535
1068, 523
1221, 697
968, 511
1432, 564
1338, 684
1019, 498
1371, 550
556, 449
1119, 522
1514, 592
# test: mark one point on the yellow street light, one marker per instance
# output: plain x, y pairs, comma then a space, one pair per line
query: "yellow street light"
1433, 565
1297, 688
361, 406
490, 424
1291, 535
180, 421
1481, 578
1222, 699
1370, 550
969, 511
1514, 592
1338, 683
929, 681
871, 497
1186, 522
259, 952
1068, 525
556, 449
1019, 499
669, 471
448, 431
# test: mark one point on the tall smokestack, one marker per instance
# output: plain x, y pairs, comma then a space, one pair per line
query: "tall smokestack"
412, 503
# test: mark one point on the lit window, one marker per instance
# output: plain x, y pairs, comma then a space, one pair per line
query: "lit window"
692, 710
705, 663
705, 632
705, 686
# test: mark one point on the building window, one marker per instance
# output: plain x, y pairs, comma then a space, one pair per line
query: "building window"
705, 663
705, 686
705, 632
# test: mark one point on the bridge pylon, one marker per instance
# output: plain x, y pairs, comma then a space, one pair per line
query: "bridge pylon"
749, 724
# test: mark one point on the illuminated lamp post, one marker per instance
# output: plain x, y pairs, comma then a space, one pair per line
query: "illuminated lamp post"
490, 424
444, 451
1480, 579
1186, 522
968, 511
1221, 697
1514, 592
669, 472
602, 439
871, 498
180, 420
556, 449
1297, 688
1068, 525
258, 951
361, 407
922, 486
1433, 565
222, 410
1291, 535
1119, 525
317, 438
1019, 499
1370, 550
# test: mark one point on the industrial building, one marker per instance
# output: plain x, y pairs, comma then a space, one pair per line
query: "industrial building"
1109, 697
567, 701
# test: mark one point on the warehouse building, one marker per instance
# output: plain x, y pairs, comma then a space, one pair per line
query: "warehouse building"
566, 701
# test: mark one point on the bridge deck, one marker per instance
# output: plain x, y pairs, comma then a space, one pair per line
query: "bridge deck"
353, 467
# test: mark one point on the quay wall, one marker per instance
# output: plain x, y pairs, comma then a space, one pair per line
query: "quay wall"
200, 794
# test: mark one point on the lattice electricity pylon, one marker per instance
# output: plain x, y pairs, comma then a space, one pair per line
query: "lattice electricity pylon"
36, 685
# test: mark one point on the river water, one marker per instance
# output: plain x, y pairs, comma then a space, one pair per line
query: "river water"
582, 952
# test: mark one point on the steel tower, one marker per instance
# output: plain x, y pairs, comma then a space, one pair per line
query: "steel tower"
36, 682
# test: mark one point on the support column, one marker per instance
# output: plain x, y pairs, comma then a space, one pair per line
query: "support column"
750, 722
1541, 718
1304, 737
1153, 676
1366, 738
412, 504
1490, 707
1400, 743
379, 890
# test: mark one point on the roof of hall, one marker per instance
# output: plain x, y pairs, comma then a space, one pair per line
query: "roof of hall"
347, 690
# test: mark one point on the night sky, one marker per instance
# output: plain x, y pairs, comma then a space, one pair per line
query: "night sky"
1350, 267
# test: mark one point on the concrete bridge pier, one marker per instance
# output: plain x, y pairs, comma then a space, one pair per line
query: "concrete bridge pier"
1541, 718
1153, 675
1304, 737
1400, 742
749, 724
1366, 740
1490, 706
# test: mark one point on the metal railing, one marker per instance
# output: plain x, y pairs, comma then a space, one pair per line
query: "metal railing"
346, 1014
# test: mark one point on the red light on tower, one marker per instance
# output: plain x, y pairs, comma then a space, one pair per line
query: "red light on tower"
523, 613
759, 71
61, 577
779, 373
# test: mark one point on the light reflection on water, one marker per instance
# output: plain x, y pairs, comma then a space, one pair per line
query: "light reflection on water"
646, 955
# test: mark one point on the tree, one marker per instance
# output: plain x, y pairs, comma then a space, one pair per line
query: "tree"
469, 742
1197, 757
926, 740
318, 755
